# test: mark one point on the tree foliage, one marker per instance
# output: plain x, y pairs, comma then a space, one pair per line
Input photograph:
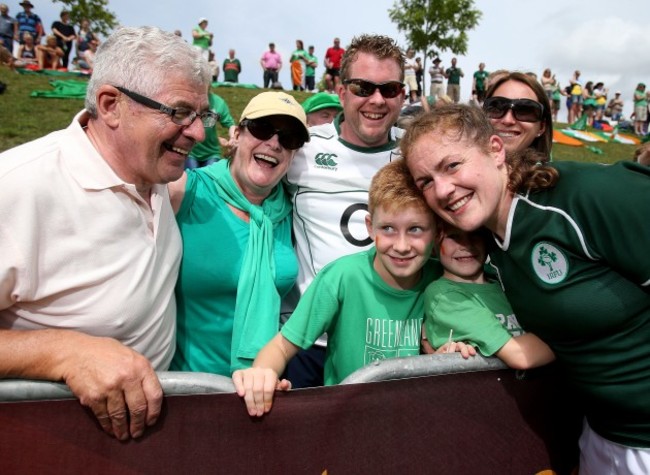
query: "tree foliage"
101, 19
434, 26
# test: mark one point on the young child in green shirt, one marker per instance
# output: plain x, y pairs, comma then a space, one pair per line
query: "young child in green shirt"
464, 306
369, 303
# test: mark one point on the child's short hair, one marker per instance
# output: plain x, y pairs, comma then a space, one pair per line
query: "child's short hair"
393, 187
443, 227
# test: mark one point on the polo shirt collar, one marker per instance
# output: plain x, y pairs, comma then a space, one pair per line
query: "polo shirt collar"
85, 164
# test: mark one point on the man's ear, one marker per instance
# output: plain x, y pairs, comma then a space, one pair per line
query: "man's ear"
109, 105
340, 91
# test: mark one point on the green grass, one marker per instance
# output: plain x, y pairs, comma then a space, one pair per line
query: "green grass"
26, 118
612, 152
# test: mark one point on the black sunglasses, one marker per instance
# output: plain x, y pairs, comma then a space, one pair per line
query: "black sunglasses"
263, 130
524, 110
363, 88
179, 116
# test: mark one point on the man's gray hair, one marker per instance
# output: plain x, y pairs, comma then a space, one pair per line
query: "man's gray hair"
141, 59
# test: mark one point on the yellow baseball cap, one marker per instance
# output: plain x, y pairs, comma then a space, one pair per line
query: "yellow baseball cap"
276, 103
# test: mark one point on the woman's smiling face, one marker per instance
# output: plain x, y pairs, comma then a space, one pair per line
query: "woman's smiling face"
516, 135
259, 165
462, 183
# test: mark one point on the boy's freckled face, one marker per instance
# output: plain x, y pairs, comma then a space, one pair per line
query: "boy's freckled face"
404, 241
462, 255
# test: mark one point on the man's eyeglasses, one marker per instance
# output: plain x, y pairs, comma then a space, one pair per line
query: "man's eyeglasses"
263, 129
363, 88
524, 110
179, 116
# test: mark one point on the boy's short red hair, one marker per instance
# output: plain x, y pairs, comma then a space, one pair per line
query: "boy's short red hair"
393, 187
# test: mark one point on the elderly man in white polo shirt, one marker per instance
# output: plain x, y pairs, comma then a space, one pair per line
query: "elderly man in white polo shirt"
90, 248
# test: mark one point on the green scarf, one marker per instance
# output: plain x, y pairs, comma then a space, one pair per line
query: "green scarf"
257, 308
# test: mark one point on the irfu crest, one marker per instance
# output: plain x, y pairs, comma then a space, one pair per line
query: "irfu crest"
549, 263
546, 258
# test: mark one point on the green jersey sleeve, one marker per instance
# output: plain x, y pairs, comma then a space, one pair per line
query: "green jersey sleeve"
470, 321
315, 313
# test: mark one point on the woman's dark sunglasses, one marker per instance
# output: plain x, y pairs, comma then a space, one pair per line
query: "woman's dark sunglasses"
524, 110
363, 88
263, 129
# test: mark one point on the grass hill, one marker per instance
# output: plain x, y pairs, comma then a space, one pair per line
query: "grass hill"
25, 118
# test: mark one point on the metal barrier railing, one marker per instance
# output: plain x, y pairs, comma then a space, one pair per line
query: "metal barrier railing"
173, 383
179, 382
423, 365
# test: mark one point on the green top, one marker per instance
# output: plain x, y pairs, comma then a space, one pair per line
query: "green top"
576, 271
203, 41
298, 55
214, 245
478, 314
365, 319
480, 77
231, 69
310, 70
453, 75
640, 98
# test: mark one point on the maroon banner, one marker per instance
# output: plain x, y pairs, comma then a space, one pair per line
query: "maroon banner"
484, 422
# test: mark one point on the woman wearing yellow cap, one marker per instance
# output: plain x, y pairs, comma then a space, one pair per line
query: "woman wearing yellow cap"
238, 258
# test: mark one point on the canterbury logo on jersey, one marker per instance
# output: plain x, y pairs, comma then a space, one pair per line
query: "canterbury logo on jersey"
326, 160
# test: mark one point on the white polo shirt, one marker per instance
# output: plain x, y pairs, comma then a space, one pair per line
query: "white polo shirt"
81, 250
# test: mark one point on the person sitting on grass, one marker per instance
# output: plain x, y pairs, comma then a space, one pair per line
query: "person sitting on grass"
6, 58
49, 55
27, 53
369, 303
465, 306
87, 59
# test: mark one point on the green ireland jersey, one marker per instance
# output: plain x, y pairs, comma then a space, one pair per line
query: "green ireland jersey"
575, 268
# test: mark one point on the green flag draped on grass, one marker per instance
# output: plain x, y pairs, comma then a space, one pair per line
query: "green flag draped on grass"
64, 89
593, 149
581, 123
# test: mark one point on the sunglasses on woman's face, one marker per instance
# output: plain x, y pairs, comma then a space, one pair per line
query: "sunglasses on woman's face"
263, 129
524, 110
363, 88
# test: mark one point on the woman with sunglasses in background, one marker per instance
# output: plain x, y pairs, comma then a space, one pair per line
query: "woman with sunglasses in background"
238, 258
570, 250
520, 112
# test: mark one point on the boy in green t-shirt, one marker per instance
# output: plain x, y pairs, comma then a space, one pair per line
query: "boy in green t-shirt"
463, 305
369, 303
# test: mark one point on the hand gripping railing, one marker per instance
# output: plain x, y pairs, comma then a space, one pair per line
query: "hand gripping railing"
179, 382
173, 383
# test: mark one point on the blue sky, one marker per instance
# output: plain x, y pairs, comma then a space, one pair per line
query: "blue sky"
606, 40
